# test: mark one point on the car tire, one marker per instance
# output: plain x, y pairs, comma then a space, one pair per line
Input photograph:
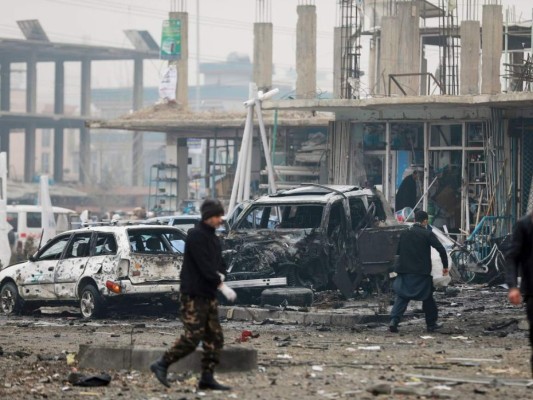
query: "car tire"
297, 297
10, 300
91, 302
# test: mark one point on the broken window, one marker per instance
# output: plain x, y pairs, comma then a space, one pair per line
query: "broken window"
357, 211
54, 249
289, 216
336, 220
79, 246
105, 244
380, 213
154, 241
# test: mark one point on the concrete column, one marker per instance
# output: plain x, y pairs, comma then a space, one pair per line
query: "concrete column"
337, 62
59, 108
306, 52
85, 138
424, 78
31, 108
492, 41
183, 175
137, 161
5, 104
263, 34
408, 47
517, 62
400, 50
390, 31
182, 95
470, 46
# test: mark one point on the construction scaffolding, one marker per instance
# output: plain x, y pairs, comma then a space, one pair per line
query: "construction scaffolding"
449, 48
351, 17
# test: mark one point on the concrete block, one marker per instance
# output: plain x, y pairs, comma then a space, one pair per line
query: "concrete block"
345, 321
292, 316
317, 319
139, 358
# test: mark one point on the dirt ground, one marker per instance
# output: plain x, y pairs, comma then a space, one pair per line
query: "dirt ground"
484, 340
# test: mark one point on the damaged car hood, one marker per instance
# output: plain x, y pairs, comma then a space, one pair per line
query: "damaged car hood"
261, 250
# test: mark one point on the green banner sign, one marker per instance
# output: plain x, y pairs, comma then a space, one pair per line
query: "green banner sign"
171, 40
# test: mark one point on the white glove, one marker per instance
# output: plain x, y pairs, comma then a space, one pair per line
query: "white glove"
222, 277
228, 292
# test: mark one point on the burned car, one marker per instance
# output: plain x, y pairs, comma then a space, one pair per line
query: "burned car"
95, 267
319, 237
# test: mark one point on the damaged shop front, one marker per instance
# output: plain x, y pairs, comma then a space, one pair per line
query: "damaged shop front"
473, 173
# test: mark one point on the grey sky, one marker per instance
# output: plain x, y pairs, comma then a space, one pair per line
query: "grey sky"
225, 26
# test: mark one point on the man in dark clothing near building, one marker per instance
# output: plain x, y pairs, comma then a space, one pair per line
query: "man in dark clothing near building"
414, 280
201, 276
407, 192
519, 257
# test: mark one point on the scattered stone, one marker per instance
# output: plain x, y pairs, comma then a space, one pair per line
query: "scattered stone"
501, 325
522, 325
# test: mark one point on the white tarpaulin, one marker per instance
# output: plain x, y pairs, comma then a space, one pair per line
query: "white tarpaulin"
48, 222
169, 81
5, 227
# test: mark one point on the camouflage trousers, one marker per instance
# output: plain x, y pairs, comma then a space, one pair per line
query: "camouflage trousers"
200, 320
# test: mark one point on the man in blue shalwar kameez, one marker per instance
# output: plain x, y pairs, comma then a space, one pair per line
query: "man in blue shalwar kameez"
414, 280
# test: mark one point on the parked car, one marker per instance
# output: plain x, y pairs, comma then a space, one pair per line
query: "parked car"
315, 236
183, 222
26, 220
95, 267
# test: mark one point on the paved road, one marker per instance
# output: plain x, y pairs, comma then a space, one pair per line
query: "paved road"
484, 339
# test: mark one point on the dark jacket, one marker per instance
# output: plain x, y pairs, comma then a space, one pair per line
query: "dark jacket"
202, 262
414, 250
406, 196
519, 256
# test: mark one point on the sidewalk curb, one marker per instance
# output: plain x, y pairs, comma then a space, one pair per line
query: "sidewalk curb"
300, 318
232, 358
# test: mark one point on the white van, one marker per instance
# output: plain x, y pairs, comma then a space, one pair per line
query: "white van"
26, 220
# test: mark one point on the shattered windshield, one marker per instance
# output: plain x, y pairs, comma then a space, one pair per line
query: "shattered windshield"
154, 241
282, 216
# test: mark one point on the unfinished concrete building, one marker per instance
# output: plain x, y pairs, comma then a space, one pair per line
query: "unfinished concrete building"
447, 92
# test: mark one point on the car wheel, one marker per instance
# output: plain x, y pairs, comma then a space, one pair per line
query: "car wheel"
10, 301
297, 297
91, 303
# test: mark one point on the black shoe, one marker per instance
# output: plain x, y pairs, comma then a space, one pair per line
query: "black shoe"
160, 369
207, 381
393, 328
435, 327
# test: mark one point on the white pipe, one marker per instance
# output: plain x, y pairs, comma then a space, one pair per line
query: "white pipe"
244, 156
270, 169
237, 186
248, 171
265, 96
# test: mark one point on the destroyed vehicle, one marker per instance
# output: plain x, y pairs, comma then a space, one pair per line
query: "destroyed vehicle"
96, 267
315, 236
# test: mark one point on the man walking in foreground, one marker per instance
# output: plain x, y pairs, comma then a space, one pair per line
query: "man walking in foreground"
414, 280
201, 276
519, 257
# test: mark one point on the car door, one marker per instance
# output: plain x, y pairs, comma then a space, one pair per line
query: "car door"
38, 275
72, 266
104, 257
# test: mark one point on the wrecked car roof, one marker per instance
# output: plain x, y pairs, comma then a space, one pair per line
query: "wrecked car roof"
310, 194
112, 229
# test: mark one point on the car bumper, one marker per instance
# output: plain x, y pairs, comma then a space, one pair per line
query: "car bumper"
148, 289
